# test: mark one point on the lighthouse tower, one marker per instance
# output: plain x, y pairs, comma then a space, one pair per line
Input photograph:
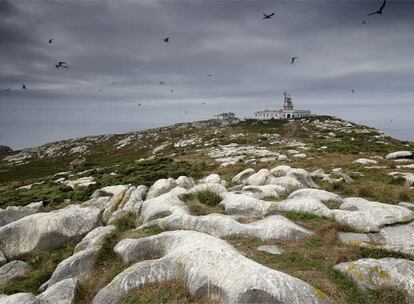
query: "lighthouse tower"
287, 104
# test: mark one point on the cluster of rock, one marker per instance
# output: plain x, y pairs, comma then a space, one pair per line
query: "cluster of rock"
193, 249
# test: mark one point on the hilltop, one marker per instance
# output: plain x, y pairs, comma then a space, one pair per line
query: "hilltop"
311, 210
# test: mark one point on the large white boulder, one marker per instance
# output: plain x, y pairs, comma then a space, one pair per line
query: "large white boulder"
13, 270
161, 186
328, 198
80, 264
210, 268
60, 293
47, 231
364, 161
242, 176
245, 206
184, 182
259, 178
399, 154
13, 213
265, 191
275, 227
382, 273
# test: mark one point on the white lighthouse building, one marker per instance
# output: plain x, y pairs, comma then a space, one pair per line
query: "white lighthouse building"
287, 112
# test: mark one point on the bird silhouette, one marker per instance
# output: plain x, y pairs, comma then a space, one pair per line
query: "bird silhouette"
172, 91
50, 40
203, 103
268, 16
210, 75
363, 22
8, 89
61, 63
57, 66
292, 60
379, 12
166, 39
352, 91
162, 82
139, 105
23, 86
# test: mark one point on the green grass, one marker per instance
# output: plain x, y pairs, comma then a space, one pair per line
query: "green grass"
208, 198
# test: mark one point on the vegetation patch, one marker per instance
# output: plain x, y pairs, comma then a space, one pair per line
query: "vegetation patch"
43, 264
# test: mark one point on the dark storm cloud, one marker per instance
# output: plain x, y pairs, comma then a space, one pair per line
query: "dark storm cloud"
106, 41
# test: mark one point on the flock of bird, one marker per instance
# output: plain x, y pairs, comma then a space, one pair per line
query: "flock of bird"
63, 65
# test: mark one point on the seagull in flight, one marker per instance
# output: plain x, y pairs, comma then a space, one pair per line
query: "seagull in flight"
23, 86
51, 40
166, 39
292, 60
139, 105
363, 22
162, 82
379, 12
352, 91
268, 16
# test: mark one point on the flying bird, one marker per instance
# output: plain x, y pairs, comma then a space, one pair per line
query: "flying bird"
162, 82
379, 12
8, 89
166, 39
363, 22
268, 16
203, 103
353, 91
172, 91
50, 40
23, 86
210, 75
139, 105
292, 60
61, 63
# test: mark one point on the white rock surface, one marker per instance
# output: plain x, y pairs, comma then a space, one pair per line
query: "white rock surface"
265, 191
271, 249
209, 266
13, 213
365, 161
242, 176
382, 273
47, 231
13, 270
275, 227
60, 293
184, 182
260, 178
212, 178
399, 154
409, 177
245, 206
161, 186
80, 182
325, 197
80, 264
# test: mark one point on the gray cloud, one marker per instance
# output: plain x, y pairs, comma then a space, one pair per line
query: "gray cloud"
106, 41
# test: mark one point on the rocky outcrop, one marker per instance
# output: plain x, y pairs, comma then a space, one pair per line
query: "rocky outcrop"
364, 161
383, 273
13, 270
60, 293
80, 264
242, 176
275, 227
47, 231
399, 154
161, 186
210, 267
13, 213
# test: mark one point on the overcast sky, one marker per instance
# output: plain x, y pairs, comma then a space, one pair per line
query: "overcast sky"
249, 58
